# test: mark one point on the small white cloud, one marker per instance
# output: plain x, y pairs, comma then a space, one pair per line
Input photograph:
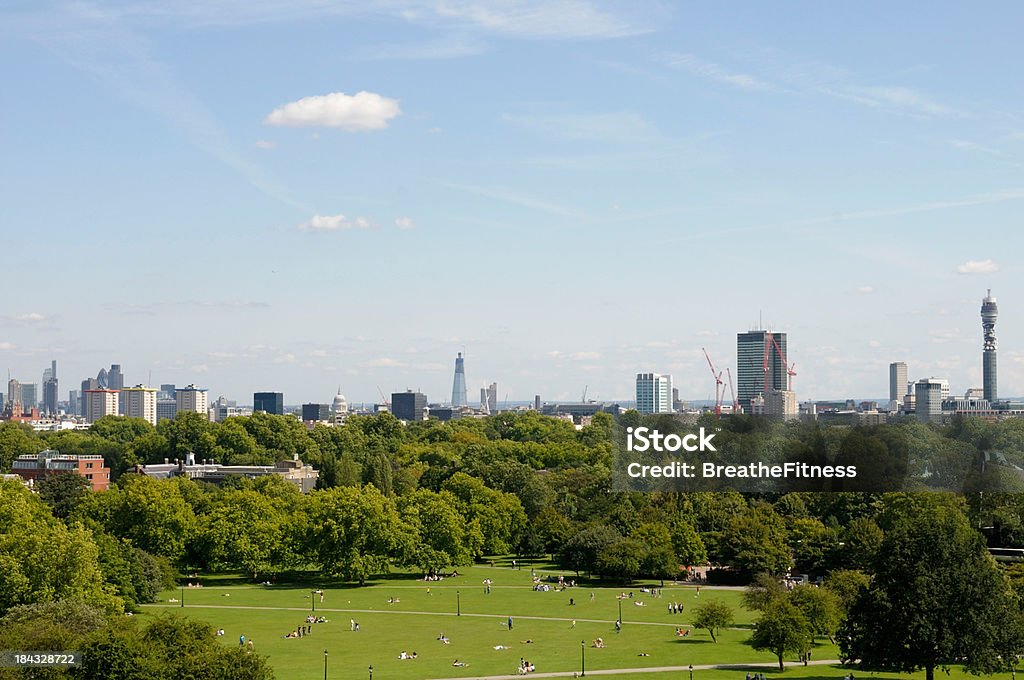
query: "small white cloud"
405, 223
586, 356
354, 113
978, 267
874, 343
384, 362
285, 359
712, 71
222, 355
334, 223
866, 290
265, 144
6, 345
200, 368
31, 317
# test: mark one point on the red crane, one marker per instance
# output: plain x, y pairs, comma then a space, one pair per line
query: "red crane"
770, 342
735, 402
719, 384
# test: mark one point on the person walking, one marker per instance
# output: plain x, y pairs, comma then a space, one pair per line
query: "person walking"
510, 623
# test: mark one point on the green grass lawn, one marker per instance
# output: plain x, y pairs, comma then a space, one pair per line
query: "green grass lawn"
265, 614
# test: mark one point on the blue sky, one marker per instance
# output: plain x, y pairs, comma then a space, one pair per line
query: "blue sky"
572, 191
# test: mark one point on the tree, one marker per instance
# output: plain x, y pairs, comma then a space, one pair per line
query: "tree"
63, 492
580, 552
755, 542
712, 615
763, 591
782, 629
936, 598
847, 584
688, 545
620, 560
863, 539
822, 607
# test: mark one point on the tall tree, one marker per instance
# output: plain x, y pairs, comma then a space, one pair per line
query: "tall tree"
712, 615
936, 598
782, 629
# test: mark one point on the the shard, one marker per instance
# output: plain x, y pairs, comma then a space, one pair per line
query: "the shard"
459, 397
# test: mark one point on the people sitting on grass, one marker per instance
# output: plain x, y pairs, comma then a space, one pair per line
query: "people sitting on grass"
393, 600
598, 644
501, 647
638, 603
444, 638
526, 667
682, 632
220, 632
407, 657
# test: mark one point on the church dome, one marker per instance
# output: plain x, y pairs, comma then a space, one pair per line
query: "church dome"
340, 405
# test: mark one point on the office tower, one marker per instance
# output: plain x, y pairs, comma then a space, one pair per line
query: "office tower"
268, 402
14, 396
87, 384
29, 396
781, 405
409, 405
755, 352
536, 402
166, 409
653, 393
167, 391
459, 396
101, 379
115, 379
989, 312
928, 400
50, 389
316, 412
139, 402
897, 381
191, 398
99, 403
74, 402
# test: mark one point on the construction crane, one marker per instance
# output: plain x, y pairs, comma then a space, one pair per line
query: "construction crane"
735, 402
770, 342
583, 399
383, 398
719, 384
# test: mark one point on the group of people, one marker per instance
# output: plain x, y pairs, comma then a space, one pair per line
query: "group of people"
408, 657
682, 632
525, 666
444, 638
676, 607
598, 643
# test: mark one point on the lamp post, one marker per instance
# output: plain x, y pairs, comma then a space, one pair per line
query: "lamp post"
583, 658
691, 671
325, 664
182, 595
312, 599
458, 604
620, 611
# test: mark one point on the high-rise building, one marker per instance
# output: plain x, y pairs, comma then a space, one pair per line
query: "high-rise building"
409, 405
167, 391
459, 396
897, 381
115, 379
166, 409
139, 402
312, 413
14, 395
29, 396
191, 398
101, 379
74, 402
756, 351
653, 393
989, 312
928, 400
268, 402
87, 384
536, 402
50, 389
99, 403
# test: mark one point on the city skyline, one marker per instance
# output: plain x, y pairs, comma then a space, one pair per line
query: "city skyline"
262, 193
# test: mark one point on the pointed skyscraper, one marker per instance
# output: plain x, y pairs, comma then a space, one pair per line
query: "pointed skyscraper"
459, 396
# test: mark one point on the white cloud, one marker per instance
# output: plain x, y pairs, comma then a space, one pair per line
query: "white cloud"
6, 345
354, 113
866, 290
265, 144
200, 368
586, 356
892, 97
31, 317
334, 223
712, 71
978, 267
384, 362
405, 223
